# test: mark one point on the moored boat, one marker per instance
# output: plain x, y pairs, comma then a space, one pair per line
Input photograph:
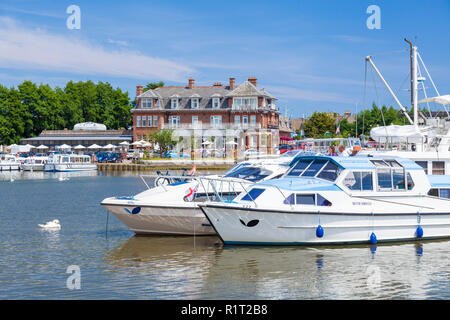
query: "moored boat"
69, 162
172, 208
335, 200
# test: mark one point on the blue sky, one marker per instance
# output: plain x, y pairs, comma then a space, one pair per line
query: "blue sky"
309, 54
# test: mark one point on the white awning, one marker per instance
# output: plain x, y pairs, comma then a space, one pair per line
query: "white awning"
396, 133
444, 100
94, 146
78, 147
42, 147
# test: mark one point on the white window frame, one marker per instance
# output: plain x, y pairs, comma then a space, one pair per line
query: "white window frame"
149, 121
195, 103
195, 123
155, 121
144, 121
147, 103
216, 103
174, 103
172, 123
216, 121
253, 121
138, 121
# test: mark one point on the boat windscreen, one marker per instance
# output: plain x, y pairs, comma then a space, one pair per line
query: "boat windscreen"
249, 173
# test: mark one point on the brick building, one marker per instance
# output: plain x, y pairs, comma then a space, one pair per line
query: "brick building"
220, 117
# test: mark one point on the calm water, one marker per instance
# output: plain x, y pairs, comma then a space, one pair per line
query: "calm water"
115, 264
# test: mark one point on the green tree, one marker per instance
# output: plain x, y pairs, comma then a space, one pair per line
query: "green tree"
164, 139
153, 85
318, 124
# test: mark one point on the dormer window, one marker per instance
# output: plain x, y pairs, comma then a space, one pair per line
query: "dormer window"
216, 103
147, 103
174, 103
194, 103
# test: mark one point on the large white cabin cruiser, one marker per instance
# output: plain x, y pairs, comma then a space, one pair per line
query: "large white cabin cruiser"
172, 209
335, 200
69, 162
9, 162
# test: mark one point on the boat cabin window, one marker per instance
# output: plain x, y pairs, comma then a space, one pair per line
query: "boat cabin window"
438, 167
312, 199
305, 199
424, 165
390, 175
329, 172
253, 194
299, 167
409, 181
320, 168
440, 192
359, 181
250, 173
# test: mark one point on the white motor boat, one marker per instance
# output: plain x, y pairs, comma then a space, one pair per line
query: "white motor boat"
34, 163
9, 162
335, 200
171, 208
69, 163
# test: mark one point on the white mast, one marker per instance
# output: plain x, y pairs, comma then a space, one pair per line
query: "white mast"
415, 91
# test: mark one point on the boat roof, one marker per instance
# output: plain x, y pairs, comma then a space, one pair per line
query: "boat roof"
439, 181
304, 184
361, 162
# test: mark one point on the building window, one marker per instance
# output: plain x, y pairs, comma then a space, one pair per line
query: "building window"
215, 103
253, 141
174, 103
149, 123
245, 120
155, 121
144, 121
438, 167
237, 120
246, 103
194, 120
253, 121
216, 121
138, 121
194, 103
147, 103
174, 121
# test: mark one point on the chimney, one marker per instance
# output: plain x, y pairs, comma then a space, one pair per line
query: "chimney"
217, 84
139, 90
191, 83
253, 81
232, 83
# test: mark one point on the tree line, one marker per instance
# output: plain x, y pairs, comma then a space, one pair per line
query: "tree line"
29, 109
324, 125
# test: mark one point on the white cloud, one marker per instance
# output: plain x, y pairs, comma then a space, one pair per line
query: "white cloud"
35, 49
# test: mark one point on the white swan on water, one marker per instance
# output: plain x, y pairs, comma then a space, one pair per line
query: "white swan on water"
51, 225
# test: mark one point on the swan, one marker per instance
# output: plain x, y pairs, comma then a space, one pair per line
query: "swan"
51, 225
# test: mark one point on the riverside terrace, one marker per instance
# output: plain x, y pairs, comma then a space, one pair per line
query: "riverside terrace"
92, 134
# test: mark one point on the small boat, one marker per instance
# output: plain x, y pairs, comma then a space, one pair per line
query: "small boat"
69, 162
35, 163
335, 200
9, 162
172, 208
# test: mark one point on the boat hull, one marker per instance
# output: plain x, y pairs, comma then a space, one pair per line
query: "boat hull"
69, 167
32, 167
270, 227
161, 220
9, 167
